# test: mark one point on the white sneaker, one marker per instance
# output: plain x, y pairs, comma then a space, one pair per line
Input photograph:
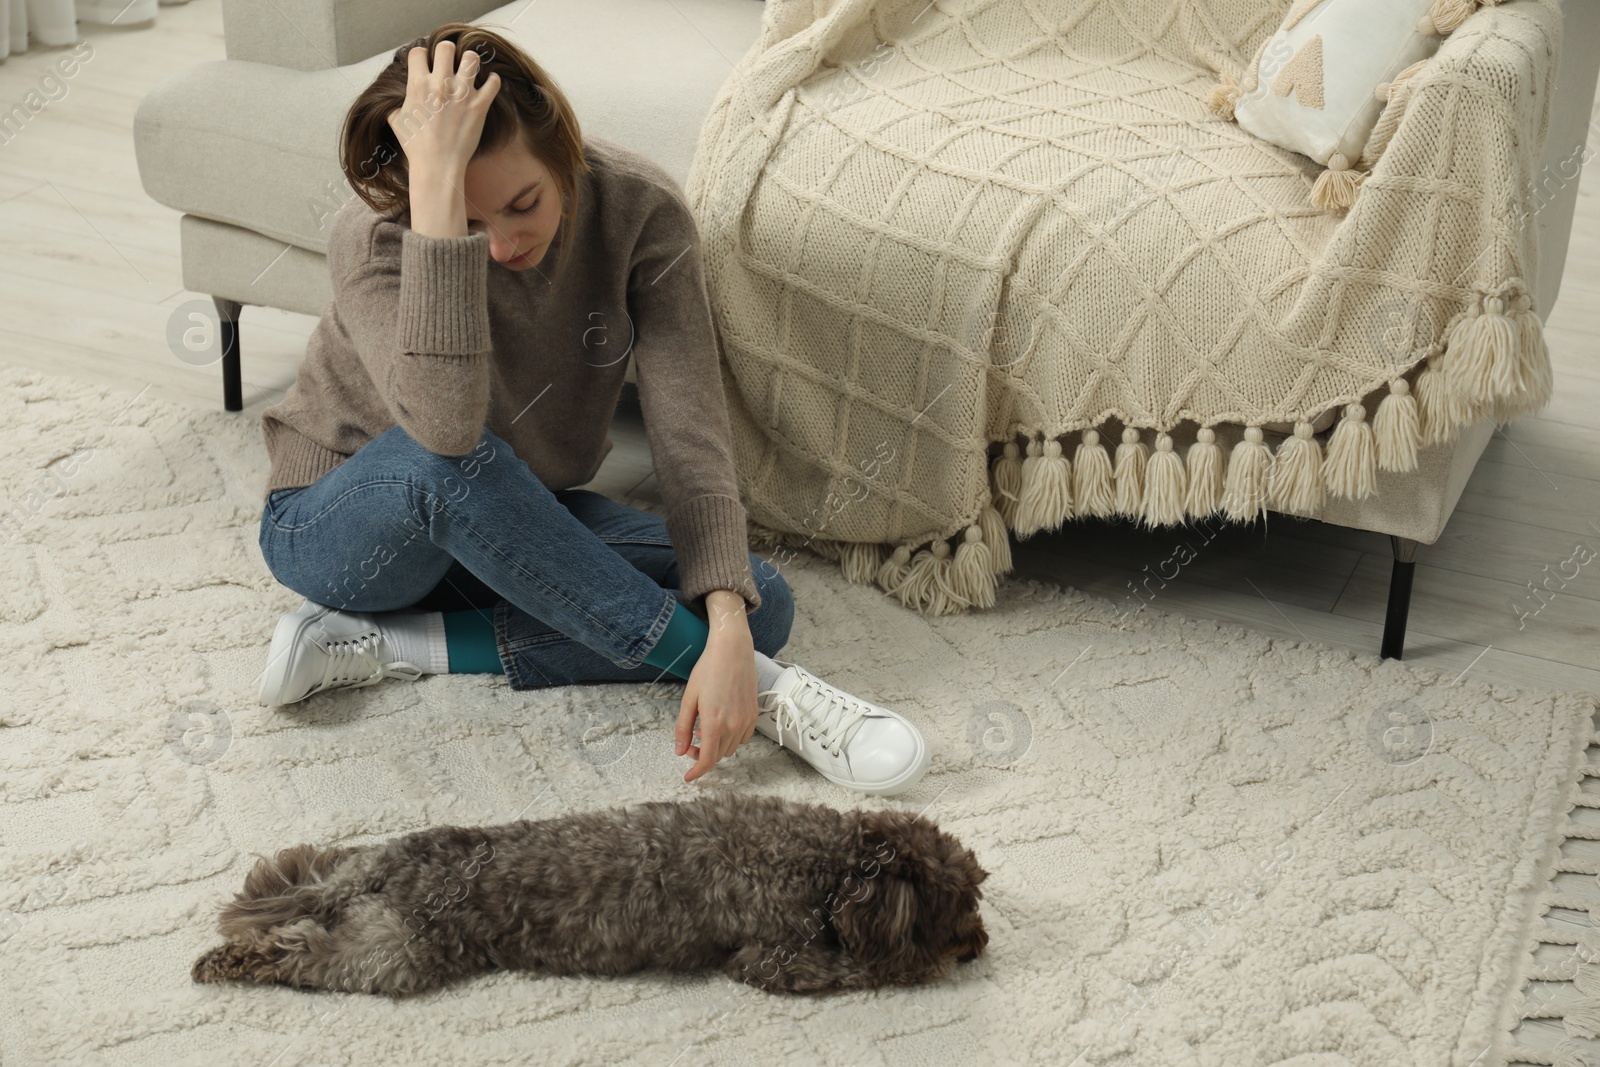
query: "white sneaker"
317, 647
850, 741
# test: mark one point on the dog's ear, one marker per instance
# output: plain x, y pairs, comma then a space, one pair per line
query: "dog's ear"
910, 900
908, 846
876, 919
882, 894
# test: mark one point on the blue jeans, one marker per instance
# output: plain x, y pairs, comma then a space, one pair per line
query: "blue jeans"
581, 587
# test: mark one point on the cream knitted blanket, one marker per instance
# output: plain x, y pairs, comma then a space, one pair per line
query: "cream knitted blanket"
980, 265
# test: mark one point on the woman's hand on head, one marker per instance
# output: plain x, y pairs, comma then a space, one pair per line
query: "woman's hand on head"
441, 121
721, 691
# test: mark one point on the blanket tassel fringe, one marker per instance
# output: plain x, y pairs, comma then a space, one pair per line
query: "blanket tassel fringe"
1336, 187
1497, 364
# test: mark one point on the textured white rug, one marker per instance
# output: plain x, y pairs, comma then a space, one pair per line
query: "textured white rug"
1205, 846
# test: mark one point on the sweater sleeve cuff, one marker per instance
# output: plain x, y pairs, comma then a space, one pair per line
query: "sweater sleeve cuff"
444, 283
712, 544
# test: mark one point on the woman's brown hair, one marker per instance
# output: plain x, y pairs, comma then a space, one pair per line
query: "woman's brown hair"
529, 101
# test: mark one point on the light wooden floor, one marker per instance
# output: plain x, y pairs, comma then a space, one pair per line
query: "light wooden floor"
91, 268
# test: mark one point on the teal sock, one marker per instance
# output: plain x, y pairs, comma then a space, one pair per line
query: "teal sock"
681, 643
469, 638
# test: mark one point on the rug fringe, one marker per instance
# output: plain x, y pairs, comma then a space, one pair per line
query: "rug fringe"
1578, 1006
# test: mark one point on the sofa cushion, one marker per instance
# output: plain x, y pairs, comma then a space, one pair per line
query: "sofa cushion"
316, 34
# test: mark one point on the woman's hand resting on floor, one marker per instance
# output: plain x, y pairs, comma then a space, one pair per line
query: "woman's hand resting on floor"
721, 690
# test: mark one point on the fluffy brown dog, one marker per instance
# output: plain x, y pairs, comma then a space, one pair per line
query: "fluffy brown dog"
788, 897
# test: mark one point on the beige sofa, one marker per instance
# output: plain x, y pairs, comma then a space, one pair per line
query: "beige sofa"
246, 149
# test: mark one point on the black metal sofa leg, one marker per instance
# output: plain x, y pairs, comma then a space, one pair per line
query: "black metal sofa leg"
232, 384
1394, 621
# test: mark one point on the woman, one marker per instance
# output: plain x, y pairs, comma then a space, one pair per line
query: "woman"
424, 463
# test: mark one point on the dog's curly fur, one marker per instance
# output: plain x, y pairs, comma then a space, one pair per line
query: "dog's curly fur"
786, 896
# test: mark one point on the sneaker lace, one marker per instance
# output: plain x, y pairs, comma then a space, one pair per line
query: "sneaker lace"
822, 712
357, 661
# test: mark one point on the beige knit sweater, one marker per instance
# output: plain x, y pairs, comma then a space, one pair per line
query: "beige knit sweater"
430, 334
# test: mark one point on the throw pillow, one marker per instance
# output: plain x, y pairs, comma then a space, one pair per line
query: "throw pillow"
1318, 84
